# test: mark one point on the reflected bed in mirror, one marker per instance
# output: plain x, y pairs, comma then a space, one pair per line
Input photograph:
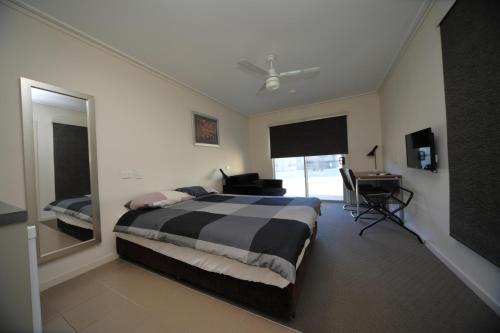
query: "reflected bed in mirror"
60, 168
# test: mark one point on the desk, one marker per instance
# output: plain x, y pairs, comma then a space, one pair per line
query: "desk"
364, 176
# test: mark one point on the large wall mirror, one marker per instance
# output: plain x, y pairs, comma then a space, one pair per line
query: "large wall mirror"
60, 168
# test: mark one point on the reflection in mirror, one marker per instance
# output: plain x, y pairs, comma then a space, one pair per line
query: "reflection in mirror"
62, 170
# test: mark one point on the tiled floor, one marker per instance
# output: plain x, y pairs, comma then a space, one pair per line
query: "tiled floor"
122, 297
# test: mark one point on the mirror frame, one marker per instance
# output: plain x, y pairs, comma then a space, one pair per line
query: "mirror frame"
29, 166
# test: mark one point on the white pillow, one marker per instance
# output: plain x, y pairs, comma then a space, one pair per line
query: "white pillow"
157, 199
175, 197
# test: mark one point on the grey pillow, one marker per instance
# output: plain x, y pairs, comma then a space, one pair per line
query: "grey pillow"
196, 191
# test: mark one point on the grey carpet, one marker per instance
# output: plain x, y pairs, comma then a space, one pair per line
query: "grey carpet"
384, 281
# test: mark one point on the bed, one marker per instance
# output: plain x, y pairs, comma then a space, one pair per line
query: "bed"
74, 216
250, 249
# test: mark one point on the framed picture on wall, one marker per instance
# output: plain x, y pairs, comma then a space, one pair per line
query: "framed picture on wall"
206, 130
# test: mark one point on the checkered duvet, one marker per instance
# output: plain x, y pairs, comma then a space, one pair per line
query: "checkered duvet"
260, 231
80, 207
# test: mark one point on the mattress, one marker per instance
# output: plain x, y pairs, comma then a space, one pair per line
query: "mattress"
74, 221
267, 232
214, 263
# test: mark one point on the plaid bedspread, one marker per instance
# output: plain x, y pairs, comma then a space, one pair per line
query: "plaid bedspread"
80, 207
260, 231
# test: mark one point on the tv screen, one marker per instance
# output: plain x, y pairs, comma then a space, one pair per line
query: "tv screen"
420, 150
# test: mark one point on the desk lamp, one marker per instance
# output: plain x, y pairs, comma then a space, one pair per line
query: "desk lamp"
374, 154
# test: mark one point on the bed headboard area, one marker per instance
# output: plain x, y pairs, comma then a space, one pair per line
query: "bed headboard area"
470, 36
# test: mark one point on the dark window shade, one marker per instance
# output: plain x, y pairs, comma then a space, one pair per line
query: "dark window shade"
310, 138
470, 35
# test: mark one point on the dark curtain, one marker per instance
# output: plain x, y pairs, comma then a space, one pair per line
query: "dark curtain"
471, 60
310, 138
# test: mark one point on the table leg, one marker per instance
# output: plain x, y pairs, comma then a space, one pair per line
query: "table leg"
402, 214
357, 197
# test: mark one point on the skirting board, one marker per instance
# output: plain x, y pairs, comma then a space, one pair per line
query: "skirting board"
80, 270
483, 295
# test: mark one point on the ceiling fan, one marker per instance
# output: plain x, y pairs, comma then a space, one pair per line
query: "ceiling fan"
272, 78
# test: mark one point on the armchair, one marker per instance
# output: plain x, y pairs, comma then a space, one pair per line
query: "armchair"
251, 184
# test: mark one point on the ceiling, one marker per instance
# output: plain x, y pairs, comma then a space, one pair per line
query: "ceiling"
60, 101
199, 42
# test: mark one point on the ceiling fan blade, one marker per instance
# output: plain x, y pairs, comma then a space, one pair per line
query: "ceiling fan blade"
262, 89
300, 72
251, 67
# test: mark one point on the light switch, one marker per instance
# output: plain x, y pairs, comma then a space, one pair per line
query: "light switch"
125, 174
137, 174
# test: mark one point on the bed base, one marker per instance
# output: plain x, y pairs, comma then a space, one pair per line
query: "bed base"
74, 231
272, 300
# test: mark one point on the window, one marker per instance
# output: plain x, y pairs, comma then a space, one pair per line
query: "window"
311, 176
306, 156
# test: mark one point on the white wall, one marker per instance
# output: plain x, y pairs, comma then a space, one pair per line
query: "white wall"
412, 98
43, 117
143, 122
363, 128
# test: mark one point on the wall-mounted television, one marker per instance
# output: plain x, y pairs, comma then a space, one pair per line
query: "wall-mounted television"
420, 150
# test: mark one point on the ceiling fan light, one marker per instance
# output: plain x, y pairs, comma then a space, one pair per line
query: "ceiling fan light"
272, 83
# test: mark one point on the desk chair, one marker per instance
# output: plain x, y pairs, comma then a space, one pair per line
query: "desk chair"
365, 190
362, 187
344, 172
348, 186
379, 203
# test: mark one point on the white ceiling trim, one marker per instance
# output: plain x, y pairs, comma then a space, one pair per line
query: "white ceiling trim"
424, 10
94, 42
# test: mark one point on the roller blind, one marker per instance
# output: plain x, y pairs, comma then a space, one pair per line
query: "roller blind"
310, 138
470, 35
